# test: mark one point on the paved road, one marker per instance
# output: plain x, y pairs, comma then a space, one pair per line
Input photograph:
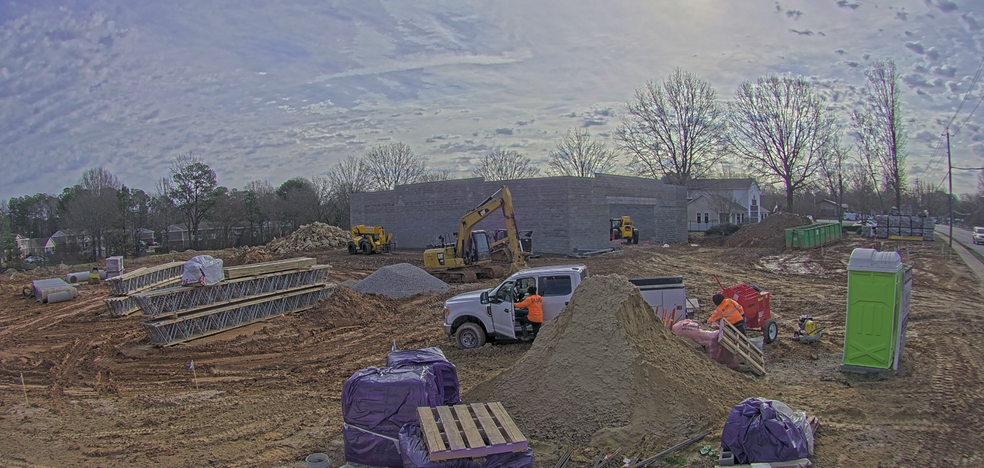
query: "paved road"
962, 235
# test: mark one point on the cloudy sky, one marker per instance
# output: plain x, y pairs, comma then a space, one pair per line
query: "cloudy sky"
274, 90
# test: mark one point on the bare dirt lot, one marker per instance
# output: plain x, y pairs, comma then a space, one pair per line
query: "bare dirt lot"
99, 394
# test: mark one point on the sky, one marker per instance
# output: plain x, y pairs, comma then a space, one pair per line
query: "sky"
275, 90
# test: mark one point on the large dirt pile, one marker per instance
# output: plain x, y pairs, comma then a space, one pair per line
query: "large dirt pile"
607, 373
769, 233
310, 237
348, 308
400, 281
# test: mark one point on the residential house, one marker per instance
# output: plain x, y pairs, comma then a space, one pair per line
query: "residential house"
41, 246
827, 209
716, 201
23, 244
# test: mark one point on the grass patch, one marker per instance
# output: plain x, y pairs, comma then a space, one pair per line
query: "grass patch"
675, 460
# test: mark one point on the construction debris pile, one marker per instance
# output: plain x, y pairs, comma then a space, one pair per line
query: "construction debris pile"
771, 232
310, 237
400, 281
901, 226
606, 372
247, 294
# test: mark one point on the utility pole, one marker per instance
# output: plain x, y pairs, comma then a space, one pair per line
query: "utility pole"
949, 176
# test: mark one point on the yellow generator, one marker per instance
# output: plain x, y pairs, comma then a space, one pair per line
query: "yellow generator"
622, 229
369, 240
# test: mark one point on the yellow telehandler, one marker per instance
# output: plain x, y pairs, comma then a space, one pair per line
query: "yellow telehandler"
369, 240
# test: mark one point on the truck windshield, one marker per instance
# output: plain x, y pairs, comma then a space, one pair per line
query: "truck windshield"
502, 292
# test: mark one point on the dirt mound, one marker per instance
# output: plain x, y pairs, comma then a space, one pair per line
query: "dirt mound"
771, 232
607, 373
310, 237
346, 308
400, 281
247, 255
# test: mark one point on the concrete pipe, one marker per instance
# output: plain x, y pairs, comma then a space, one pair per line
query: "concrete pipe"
316, 460
102, 275
46, 294
61, 296
75, 278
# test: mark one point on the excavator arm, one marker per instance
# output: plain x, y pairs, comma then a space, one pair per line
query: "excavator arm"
501, 199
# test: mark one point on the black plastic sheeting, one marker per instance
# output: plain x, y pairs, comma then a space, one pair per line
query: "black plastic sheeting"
762, 431
438, 364
376, 403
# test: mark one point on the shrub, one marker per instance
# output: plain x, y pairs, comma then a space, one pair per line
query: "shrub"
724, 229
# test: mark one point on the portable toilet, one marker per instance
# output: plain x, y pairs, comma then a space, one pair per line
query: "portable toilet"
879, 288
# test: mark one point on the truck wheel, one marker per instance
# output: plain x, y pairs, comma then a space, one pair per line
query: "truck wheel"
366, 250
770, 330
635, 236
352, 248
470, 336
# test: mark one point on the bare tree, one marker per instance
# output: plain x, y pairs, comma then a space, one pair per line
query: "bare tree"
437, 176
193, 190
781, 128
861, 190
579, 156
674, 129
345, 178
832, 174
97, 179
387, 166
884, 130
299, 202
505, 165
869, 150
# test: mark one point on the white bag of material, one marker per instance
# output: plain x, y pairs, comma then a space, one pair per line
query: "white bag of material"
203, 270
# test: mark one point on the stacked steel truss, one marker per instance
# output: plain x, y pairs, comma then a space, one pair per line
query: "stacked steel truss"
214, 320
187, 299
143, 278
126, 305
140, 280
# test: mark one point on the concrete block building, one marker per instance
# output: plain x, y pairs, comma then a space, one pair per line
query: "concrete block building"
564, 213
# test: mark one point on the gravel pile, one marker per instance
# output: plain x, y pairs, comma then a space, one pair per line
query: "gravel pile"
400, 281
310, 237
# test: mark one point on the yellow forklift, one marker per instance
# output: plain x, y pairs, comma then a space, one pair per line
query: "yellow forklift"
622, 229
369, 240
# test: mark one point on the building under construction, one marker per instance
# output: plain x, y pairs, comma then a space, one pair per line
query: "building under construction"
566, 214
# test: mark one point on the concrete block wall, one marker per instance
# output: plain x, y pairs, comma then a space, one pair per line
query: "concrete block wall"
565, 213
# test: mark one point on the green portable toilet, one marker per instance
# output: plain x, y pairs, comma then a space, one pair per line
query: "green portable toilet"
879, 288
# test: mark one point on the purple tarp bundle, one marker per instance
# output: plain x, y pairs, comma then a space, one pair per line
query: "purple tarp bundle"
433, 358
376, 403
763, 431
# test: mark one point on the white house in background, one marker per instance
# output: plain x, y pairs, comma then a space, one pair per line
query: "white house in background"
23, 244
716, 201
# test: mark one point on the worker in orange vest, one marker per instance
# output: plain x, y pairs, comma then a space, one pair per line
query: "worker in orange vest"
728, 309
534, 305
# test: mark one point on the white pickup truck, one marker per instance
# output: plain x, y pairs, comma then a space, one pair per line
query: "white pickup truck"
472, 318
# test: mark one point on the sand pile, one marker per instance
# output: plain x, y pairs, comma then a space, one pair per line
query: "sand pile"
247, 255
310, 237
347, 308
399, 281
607, 373
769, 233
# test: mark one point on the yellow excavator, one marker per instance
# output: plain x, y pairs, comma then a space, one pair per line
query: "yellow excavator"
369, 240
469, 257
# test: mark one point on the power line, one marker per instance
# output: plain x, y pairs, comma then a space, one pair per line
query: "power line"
977, 76
970, 115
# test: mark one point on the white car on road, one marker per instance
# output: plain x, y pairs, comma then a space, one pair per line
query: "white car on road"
978, 235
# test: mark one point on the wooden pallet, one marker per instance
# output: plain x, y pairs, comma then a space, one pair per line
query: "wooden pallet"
739, 345
255, 269
474, 430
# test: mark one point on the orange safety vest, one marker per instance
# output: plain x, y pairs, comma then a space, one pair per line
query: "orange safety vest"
727, 311
534, 304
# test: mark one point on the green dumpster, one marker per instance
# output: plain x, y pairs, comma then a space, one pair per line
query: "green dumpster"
813, 235
879, 288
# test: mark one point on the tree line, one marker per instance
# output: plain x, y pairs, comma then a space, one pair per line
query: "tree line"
780, 129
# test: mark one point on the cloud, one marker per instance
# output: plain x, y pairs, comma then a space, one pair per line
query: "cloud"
915, 47
805, 32
946, 6
846, 4
503, 131
795, 14
945, 70
916, 80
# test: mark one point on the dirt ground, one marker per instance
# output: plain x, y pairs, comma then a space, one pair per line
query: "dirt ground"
98, 394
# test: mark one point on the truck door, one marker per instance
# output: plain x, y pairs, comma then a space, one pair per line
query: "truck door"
500, 307
556, 292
